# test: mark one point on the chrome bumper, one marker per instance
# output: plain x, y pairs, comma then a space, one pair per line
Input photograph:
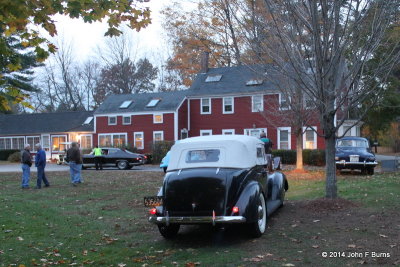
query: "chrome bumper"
197, 220
364, 163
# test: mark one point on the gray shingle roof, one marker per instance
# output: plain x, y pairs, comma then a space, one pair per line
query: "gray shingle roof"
233, 80
169, 101
37, 123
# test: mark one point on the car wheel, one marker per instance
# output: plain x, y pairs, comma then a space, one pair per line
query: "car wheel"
169, 231
122, 165
258, 227
165, 169
370, 171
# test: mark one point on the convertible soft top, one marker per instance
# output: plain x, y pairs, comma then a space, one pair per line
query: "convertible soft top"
221, 151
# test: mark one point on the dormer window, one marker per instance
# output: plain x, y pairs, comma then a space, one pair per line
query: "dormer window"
153, 103
125, 104
254, 82
213, 78
88, 120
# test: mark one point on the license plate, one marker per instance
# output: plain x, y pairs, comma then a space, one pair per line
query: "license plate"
354, 158
153, 201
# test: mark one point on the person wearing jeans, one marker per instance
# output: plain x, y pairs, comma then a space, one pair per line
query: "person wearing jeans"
26, 163
75, 163
40, 163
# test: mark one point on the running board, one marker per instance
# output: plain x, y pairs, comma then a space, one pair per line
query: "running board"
273, 205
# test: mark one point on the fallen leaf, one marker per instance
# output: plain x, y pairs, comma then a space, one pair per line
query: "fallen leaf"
392, 246
294, 225
269, 255
316, 221
384, 236
288, 264
315, 246
85, 252
351, 246
362, 262
121, 264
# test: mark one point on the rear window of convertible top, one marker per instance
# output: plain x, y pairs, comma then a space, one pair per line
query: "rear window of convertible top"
203, 155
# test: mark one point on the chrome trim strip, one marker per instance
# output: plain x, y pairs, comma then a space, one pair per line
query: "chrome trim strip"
344, 163
199, 219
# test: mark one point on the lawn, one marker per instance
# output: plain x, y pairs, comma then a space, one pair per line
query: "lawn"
103, 223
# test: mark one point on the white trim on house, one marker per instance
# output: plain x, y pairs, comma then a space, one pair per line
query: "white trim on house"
123, 120
236, 94
188, 122
176, 126
207, 132
158, 132
314, 135
110, 117
279, 129
228, 131
252, 103
232, 104
154, 118
112, 137
11, 143
133, 113
209, 105
134, 139
91, 139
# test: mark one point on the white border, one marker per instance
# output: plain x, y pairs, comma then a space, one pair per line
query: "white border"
201, 105
158, 132
91, 139
134, 139
279, 129
116, 120
158, 114
205, 131
112, 139
224, 131
315, 136
252, 103
51, 142
123, 121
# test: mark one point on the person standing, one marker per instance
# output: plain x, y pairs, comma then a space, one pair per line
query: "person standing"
267, 148
75, 163
26, 163
98, 158
40, 163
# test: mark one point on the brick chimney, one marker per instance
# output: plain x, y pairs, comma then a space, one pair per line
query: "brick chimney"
204, 62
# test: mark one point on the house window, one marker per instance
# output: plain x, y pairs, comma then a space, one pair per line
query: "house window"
88, 120
256, 132
283, 102
158, 136
33, 140
112, 120
284, 138
86, 141
213, 78
205, 132
126, 104
12, 143
228, 105
257, 104
126, 120
138, 140
57, 143
310, 138
228, 131
158, 118
308, 102
117, 139
184, 133
205, 106
153, 103
347, 130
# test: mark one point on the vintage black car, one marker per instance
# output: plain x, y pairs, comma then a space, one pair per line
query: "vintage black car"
217, 180
354, 153
115, 157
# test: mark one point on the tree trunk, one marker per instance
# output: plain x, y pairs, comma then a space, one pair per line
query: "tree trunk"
299, 151
331, 187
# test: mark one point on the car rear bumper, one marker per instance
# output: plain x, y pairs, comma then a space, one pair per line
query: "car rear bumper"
197, 219
355, 165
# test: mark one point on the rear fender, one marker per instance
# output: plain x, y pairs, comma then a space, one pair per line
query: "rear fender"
248, 200
276, 184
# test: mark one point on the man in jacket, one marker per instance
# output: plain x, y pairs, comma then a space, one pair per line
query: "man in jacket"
26, 163
75, 163
98, 157
40, 163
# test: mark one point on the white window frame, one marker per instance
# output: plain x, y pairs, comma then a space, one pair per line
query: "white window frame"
91, 139
315, 136
279, 129
158, 132
51, 142
158, 114
11, 141
134, 139
201, 106
123, 120
112, 137
205, 131
116, 120
225, 131
280, 103
252, 103
247, 131
233, 105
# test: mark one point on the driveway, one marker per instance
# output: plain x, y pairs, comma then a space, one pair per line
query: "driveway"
51, 167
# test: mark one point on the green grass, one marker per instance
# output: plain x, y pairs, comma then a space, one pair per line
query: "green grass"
103, 222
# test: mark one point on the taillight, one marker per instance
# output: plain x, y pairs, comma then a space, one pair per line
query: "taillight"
235, 209
153, 211
145, 157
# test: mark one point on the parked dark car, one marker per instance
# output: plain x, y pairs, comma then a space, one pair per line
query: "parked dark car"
354, 153
115, 157
217, 180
